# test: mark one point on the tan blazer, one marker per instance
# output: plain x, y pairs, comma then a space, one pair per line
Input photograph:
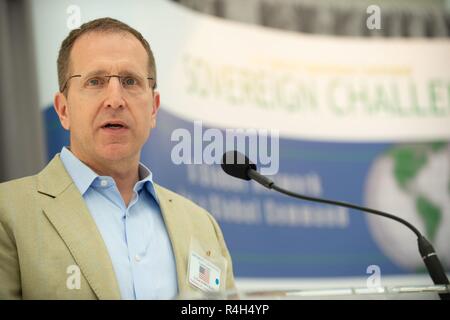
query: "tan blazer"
45, 227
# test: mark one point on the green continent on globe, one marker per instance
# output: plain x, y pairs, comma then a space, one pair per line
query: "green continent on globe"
430, 214
408, 161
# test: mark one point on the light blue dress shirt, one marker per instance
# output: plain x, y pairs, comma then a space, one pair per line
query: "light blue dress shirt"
135, 236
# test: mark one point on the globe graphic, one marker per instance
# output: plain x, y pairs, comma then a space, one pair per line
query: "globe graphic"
411, 181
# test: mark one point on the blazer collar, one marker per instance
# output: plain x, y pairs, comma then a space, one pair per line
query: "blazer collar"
69, 215
53, 179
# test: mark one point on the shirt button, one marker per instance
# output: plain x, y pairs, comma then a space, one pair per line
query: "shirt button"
137, 258
104, 183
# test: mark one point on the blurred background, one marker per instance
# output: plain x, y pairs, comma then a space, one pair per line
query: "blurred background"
358, 91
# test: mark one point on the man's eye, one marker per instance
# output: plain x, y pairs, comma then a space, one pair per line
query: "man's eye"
94, 82
129, 81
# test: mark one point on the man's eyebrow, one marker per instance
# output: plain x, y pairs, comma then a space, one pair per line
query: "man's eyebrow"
102, 72
99, 72
127, 72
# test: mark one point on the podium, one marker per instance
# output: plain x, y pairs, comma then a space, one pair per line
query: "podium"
430, 292
420, 292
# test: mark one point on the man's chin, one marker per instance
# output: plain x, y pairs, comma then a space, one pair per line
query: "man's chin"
116, 152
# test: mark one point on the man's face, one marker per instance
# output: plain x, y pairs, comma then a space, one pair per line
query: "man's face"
86, 111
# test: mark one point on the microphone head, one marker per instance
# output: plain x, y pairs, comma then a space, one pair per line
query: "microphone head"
237, 165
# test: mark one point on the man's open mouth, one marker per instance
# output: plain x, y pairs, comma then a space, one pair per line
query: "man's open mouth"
115, 125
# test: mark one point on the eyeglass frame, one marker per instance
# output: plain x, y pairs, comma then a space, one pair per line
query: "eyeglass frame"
108, 76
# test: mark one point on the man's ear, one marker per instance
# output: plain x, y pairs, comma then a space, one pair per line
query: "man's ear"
60, 105
155, 108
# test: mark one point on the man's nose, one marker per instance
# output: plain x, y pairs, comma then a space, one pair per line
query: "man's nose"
114, 93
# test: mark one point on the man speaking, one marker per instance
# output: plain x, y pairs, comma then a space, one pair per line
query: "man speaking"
93, 224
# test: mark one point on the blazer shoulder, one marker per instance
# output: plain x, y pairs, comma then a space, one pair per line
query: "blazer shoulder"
17, 187
170, 195
188, 206
15, 196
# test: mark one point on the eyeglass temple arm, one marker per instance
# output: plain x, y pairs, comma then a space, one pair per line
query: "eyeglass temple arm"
67, 81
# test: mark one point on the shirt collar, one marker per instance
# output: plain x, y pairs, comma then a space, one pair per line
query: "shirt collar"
145, 179
84, 177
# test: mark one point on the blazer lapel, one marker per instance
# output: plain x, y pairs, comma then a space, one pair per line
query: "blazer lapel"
69, 215
178, 233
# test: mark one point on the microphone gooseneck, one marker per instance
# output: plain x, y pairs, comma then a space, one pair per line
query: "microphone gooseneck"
239, 166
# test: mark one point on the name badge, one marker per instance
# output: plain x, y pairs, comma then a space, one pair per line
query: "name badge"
203, 274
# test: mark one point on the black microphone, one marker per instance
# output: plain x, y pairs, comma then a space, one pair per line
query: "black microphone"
239, 166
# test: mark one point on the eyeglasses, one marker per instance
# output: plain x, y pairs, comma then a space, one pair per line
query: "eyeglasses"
132, 84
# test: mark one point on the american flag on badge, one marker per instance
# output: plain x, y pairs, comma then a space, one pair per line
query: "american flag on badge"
203, 274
